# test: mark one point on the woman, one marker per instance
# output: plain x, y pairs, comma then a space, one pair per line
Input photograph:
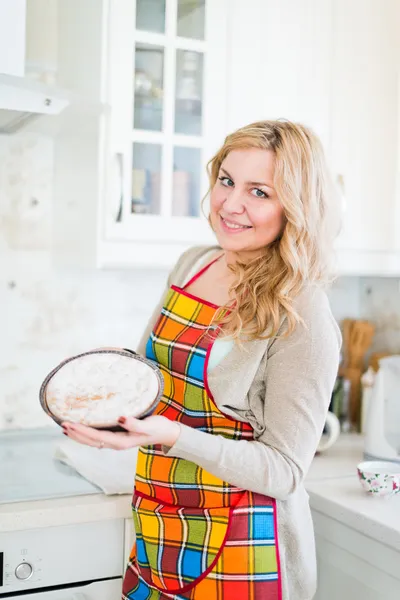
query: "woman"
249, 351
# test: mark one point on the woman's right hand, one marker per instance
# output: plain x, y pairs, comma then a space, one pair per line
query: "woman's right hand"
139, 432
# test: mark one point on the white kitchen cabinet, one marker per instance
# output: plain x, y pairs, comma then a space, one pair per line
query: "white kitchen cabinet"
334, 66
12, 37
279, 65
365, 132
129, 179
130, 176
352, 565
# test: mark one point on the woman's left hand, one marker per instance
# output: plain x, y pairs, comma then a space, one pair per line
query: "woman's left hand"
152, 430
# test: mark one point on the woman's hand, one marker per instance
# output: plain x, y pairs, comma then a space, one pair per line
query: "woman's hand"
152, 430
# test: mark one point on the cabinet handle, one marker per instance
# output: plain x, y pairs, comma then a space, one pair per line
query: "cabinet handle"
342, 187
120, 160
340, 182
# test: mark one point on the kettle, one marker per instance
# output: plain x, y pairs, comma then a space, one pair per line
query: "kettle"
382, 421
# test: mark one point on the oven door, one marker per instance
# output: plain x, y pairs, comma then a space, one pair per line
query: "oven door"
99, 590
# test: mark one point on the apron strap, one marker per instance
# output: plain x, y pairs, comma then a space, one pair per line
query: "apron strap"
200, 273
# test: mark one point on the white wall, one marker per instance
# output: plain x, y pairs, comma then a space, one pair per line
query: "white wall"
46, 315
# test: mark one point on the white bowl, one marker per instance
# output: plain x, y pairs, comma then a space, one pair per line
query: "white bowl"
379, 478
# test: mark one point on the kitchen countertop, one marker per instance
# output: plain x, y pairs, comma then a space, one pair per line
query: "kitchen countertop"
331, 483
339, 461
63, 511
335, 491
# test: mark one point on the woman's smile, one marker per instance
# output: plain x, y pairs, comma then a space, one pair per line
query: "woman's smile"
233, 227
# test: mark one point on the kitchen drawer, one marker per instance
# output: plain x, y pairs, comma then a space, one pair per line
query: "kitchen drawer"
351, 564
100, 590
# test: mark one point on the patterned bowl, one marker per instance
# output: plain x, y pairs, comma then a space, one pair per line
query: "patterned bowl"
379, 478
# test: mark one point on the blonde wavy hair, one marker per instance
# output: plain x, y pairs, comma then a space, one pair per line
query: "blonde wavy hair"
265, 287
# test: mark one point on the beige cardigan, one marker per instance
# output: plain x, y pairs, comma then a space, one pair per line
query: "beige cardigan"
283, 389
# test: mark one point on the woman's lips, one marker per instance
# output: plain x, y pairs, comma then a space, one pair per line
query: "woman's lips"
232, 227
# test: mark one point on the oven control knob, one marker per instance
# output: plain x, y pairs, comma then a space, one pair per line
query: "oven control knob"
23, 571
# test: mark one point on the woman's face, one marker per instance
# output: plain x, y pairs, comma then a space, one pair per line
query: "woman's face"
246, 214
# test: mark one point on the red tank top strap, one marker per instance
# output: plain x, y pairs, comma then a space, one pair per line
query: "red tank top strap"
200, 273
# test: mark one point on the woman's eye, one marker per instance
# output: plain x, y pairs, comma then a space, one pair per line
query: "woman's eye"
259, 193
226, 181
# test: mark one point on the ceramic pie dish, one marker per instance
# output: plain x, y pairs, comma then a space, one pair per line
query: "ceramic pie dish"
97, 387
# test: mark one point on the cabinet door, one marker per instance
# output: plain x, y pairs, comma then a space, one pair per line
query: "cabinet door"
168, 117
351, 564
12, 37
365, 131
279, 66
343, 576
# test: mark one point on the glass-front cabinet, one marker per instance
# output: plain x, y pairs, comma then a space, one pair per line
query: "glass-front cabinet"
130, 162
167, 84
164, 80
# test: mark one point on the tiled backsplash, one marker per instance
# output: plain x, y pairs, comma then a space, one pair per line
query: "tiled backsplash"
47, 315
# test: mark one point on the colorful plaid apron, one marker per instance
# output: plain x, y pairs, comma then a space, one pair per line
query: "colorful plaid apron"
197, 537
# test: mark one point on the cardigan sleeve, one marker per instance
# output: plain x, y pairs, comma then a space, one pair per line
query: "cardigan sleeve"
298, 377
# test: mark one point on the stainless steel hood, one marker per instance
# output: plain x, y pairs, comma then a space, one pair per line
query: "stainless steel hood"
23, 100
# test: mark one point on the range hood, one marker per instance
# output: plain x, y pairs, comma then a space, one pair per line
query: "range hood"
22, 99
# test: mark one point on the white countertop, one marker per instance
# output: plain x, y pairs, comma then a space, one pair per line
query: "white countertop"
340, 460
331, 483
344, 500
63, 511
335, 491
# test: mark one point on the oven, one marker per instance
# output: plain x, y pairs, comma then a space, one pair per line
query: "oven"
73, 562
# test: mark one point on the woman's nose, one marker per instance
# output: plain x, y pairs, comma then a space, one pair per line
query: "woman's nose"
233, 202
